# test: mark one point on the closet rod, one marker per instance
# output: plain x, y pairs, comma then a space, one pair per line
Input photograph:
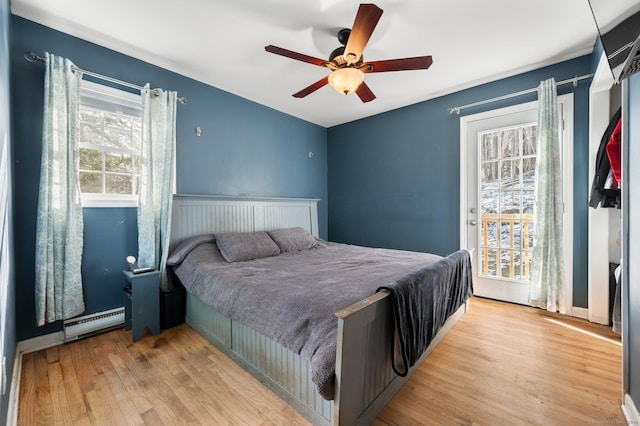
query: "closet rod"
32, 57
573, 80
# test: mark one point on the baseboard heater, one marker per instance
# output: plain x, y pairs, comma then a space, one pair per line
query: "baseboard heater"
88, 325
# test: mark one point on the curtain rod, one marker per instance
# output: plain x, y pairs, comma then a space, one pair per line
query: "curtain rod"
32, 57
573, 80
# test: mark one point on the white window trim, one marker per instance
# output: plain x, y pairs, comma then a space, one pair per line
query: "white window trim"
109, 200
129, 101
103, 93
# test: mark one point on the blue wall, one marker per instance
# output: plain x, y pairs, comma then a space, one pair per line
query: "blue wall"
598, 50
245, 149
8, 310
394, 179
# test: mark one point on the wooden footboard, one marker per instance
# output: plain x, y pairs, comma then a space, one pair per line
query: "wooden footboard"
365, 380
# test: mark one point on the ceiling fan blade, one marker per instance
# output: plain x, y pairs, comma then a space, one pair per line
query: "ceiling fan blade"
312, 88
404, 64
366, 20
295, 55
364, 93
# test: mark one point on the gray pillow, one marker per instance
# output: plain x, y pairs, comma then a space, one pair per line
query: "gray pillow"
239, 246
185, 247
293, 239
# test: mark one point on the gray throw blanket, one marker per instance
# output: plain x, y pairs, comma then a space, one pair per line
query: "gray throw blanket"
422, 302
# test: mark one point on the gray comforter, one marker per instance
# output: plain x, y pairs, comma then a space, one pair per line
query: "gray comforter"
292, 298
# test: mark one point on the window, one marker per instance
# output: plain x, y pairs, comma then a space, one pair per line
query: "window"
507, 184
110, 131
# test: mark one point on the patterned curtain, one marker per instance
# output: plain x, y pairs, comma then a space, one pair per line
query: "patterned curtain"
547, 266
156, 178
59, 230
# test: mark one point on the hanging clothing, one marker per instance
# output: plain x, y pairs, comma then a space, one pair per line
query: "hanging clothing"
614, 152
600, 194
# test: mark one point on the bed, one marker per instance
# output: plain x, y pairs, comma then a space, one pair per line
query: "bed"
326, 348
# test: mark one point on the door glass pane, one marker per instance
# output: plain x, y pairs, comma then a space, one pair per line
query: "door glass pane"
527, 202
529, 172
510, 143
489, 262
489, 232
506, 264
505, 233
489, 171
489, 146
517, 265
507, 183
510, 203
529, 137
509, 172
528, 235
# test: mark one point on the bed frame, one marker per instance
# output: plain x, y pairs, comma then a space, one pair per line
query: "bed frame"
365, 381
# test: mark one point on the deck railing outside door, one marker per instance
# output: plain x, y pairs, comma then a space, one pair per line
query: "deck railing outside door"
516, 231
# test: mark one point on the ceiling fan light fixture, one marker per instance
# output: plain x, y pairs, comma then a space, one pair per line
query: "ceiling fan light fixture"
346, 80
348, 68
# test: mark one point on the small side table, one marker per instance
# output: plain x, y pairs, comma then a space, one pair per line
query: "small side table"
141, 302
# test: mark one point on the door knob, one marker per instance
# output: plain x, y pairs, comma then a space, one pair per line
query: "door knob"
473, 222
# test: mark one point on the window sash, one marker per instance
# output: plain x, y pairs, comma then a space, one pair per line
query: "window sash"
112, 101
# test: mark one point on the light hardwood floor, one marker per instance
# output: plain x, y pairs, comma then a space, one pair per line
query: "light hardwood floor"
501, 364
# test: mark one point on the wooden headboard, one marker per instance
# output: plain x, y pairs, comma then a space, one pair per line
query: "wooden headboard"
204, 214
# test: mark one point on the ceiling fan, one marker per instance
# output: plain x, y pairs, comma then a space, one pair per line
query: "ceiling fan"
346, 62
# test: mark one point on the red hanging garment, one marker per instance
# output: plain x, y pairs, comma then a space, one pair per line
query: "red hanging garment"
614, 148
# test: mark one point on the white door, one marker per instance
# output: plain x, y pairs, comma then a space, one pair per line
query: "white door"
498, 182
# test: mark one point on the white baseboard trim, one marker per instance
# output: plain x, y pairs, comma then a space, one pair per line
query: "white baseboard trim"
40, 342
25, 347
580, 312
630, 411
14, 393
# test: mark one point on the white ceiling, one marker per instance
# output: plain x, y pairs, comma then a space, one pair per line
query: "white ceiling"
221, 43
